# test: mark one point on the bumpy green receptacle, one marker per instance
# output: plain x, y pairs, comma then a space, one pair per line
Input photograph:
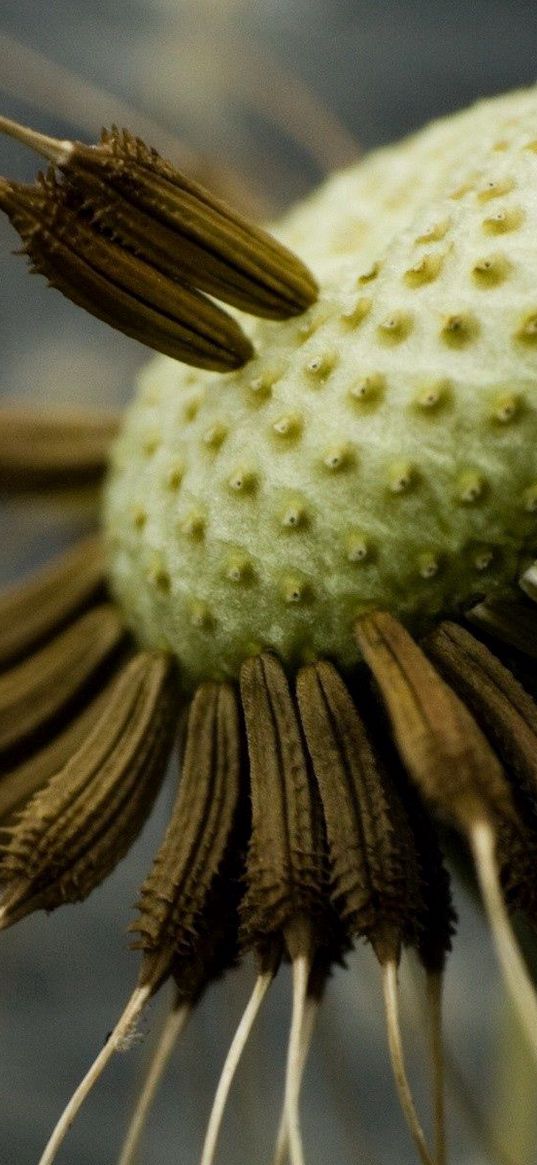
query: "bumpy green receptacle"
379, 451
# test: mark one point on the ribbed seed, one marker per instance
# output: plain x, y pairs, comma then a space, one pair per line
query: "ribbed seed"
59, 448
119, 287
216, 947
374, 872
33, 694
437, 918
177, 899
171, 220
32, 611
286, 864
20, 783
439, 741
508, 716
75, 830
512, 622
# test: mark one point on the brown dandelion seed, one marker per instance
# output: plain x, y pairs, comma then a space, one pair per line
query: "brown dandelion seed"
118, 287
32, 611
376, 869
187, 924
285, 897
508, 716
75, 829
131, 239
456, 770
44, 688
67, 448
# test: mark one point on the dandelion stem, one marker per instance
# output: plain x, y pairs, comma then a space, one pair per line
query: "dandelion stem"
50, 148
173, 1026
511, 962
133, 1009
301, 972
434, 1003
231, 1064
310, 1014
390, 988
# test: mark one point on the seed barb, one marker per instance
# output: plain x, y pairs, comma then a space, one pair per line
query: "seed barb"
37, 692
63, 447
116, 286
74, 831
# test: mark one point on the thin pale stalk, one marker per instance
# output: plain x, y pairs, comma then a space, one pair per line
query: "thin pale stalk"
391, 1003
173, 1027
301, 973
132, 1011
516, 976
231, 1064
434, 1006
311, 1009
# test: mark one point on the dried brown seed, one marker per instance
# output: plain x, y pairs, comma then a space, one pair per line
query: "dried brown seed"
34, 693
132, 193
32, 611
507, 714
286, 863
182, 897
75, 830
20, 783
192, 242
116, 286
373, 868
441, 745
64, 447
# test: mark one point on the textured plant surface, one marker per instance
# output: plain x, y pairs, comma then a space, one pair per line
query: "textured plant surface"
377, 452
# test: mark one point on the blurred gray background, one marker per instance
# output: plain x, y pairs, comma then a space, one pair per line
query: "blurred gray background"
278, 92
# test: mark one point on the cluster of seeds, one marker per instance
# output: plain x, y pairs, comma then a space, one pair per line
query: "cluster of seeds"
375, 456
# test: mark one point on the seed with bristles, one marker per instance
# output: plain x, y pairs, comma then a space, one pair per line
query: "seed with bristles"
127, 193
118, 287
179, 900
75, 830
37, 692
